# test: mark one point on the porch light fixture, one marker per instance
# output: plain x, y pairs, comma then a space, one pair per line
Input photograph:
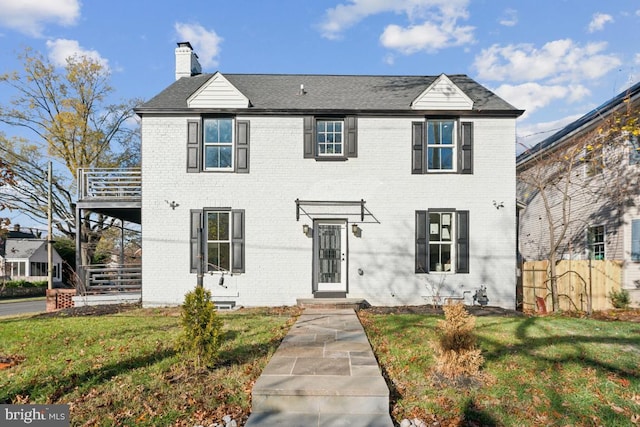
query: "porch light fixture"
305, 229
355, 229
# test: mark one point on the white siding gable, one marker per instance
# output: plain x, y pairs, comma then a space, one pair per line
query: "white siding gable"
442, 94
218, 93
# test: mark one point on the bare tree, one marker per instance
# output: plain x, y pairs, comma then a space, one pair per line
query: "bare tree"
580, 179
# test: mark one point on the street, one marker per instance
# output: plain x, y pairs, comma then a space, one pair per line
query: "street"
22, 307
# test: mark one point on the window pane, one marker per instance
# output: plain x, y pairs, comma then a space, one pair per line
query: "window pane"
635, 240
338, 127
320, 126
223, 219
446, 158
212, 226
211, 157
434, 226
225, 130
225, 157
210, 131
434, 257
447, 133
433, 158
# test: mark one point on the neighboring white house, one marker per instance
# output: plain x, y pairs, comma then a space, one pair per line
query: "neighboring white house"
598, 202
391, 189
26, 259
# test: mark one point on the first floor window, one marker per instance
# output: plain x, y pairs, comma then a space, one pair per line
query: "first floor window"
442, 241
596, 244
635, 240
218, 144
17, 268
634, 150
217, 240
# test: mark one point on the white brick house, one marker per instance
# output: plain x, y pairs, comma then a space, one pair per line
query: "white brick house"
383, 188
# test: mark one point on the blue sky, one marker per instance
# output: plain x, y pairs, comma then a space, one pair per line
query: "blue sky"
556, 59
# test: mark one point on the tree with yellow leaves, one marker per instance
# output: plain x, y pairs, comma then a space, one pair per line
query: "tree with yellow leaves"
62, 114
580, 177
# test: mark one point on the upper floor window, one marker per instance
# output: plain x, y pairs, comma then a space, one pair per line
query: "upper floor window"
596, 243
441, 141
442, 145
218, 144
330, 138
593, 159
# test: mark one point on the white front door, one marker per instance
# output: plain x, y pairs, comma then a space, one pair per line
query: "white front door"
330, 256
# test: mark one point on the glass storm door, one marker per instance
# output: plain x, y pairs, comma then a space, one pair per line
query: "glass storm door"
330, 256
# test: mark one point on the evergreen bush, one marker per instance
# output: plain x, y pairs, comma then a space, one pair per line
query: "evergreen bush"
201, 328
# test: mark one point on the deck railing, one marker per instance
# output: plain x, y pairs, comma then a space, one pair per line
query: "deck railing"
109, 183
101, 278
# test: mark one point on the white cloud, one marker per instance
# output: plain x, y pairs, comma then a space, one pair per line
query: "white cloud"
558, 61
206, 43
598, 21
61, 49
427, 36
433, 24
509, 18
534, 96
30, 16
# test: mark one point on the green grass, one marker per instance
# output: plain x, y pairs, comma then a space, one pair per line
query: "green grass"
538, 371
122, 369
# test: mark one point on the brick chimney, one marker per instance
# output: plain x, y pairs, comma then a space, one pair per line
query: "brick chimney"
187, 64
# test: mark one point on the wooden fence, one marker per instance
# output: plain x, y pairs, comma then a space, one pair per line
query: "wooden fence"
577, 280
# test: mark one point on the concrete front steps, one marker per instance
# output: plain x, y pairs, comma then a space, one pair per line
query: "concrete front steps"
323, 374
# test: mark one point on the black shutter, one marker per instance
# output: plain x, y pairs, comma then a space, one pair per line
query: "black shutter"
351, 127
242, 146
193, 146
422, 242
196, 249
462, 242
237, 241
465, 149
417, 147
309, 145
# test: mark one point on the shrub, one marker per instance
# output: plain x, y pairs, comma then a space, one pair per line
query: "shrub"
26, 284
201, 328
620, 299
457, 357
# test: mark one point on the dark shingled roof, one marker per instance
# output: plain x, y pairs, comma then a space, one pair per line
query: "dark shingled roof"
327, 92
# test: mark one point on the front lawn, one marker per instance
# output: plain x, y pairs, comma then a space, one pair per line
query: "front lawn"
538, 371
121, 369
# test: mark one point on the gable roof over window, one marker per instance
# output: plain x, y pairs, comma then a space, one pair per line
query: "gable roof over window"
304, 92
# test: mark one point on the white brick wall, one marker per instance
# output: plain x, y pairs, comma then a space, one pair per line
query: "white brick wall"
279, 257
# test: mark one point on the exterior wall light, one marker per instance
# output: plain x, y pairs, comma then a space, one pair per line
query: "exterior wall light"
355, 230
306, 229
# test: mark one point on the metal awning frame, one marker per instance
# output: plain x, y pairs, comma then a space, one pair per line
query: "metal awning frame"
305, 208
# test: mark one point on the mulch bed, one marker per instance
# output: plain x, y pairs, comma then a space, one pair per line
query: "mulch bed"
476, 310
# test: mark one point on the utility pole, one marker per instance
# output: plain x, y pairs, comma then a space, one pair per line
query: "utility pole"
49, 235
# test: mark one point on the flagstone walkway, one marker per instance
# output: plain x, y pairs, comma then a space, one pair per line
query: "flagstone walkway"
323, 374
